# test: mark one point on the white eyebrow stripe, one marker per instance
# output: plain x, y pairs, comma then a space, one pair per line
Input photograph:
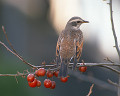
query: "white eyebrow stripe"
74, 20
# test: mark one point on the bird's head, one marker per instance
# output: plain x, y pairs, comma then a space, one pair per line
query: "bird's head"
75, 22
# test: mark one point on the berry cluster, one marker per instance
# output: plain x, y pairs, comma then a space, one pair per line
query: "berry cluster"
33, 82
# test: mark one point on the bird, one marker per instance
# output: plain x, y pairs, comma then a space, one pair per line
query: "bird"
69, 45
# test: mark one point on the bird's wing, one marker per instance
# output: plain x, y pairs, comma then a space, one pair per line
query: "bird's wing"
58, 43
58, 46
57, 49
79, 46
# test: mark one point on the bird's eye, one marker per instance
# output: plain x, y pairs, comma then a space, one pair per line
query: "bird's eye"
74, 24
78, 21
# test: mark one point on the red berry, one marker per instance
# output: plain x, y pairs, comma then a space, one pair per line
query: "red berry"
83, 68
33, 84
47, 83
64, 79
38, 83
53, 85
49, 74
36, 72
56, 73
40, 72
30, 78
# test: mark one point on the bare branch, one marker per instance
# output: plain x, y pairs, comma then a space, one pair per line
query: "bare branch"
14, 51
90, 92
17, 55
107, 59
111, 68
113, 83
14, 75
115, 38
96, 64
8, 39
113, 29
16, 79
105, 65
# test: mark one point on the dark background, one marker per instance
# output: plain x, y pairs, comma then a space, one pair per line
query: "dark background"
35, 39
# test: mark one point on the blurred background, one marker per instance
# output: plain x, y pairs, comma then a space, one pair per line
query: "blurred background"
33, 27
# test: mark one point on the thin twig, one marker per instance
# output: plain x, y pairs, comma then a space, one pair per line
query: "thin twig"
14, 75
17, 55
113, 83
111, 68
3, 28
115, 38
90, 92
107, 59
14, 51
16, 79
113, 29
96, 64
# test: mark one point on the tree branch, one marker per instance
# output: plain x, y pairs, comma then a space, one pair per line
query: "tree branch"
14, 51
115, 38
111, 68
70, 65
113, 29
14, 75
17, 55
90, 92
113, 83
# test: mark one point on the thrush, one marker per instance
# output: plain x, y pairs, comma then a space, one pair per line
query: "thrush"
69, 45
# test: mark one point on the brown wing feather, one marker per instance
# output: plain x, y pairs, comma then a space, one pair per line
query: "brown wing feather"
57, 49
79, 46
57, 53
59, 42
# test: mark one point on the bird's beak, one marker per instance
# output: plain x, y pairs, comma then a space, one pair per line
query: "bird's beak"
85, 21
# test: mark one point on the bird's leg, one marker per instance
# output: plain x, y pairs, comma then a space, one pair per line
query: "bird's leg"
57, 61
75, 57
74, 63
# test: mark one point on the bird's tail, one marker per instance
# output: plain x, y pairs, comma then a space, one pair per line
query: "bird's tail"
63, 69
57, 61
74, 63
